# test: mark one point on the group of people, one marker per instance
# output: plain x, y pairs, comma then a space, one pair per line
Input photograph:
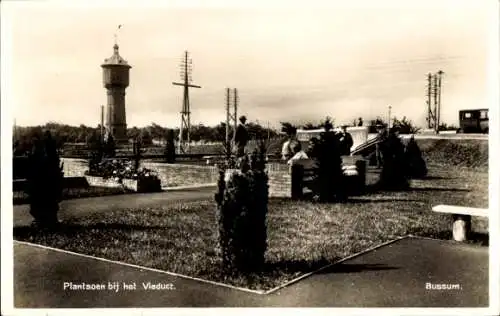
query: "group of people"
292, 148
398, 161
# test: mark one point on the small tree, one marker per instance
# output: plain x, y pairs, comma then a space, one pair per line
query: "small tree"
170, 147
138, 151
328, 173
45, 177
446, 127
110, 147
394, 175
95, 147
242, 200
145, 137
287, 128
405, 126
415, 163
226, 151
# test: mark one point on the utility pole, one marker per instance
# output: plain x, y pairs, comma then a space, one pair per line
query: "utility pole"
231, 114
236, 99
102, 123
438, 113
228, 120
15, 130
434, 100
435, 95
389, 124
268, 132
429, 101
186, 78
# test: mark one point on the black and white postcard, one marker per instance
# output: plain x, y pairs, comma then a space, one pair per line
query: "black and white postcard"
160, 156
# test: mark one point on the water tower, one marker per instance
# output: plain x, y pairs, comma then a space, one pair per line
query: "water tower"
116, 79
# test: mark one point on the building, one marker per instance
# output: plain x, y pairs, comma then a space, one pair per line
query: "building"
116, 80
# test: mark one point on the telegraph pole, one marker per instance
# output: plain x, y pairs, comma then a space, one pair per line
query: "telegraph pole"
435, 95
438, 113
429, 101
15, 130
434, 100
389, 124
231, 114
228, 120
186, 78
236, 99
268, 132
102, 123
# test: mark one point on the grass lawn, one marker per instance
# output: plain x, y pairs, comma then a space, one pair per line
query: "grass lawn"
302, 236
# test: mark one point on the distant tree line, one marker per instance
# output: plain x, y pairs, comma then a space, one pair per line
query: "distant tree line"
67, 134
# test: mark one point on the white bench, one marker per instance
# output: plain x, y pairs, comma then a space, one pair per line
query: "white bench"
461, 218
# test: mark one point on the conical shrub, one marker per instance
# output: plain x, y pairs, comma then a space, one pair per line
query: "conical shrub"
242, 205
395, 174
415, 163
45, 181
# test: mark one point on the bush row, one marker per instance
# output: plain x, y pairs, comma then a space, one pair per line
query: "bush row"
462, 153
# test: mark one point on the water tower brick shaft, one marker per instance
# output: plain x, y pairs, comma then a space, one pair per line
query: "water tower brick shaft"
116, 80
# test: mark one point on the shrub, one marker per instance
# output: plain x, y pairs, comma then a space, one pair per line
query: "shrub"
462, 153
45, 178
328, 185
110, 147
405, 126
137, 152
242, 201
446, 127
394, 175
170, 147
96, 150
415, 163
121, 169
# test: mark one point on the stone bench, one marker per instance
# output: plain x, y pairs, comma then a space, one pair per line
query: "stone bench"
461, 219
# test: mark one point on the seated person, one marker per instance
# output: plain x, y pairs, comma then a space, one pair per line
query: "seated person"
301, 155
291, 147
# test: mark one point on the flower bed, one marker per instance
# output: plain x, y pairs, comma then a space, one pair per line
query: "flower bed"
111, 173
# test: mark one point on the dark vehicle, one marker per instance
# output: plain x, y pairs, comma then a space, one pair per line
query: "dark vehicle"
474, 121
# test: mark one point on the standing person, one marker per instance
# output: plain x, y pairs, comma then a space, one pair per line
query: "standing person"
241, 137
346, 142
360, 121
381, 137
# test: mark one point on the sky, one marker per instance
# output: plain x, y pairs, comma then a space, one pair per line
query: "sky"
292, 63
